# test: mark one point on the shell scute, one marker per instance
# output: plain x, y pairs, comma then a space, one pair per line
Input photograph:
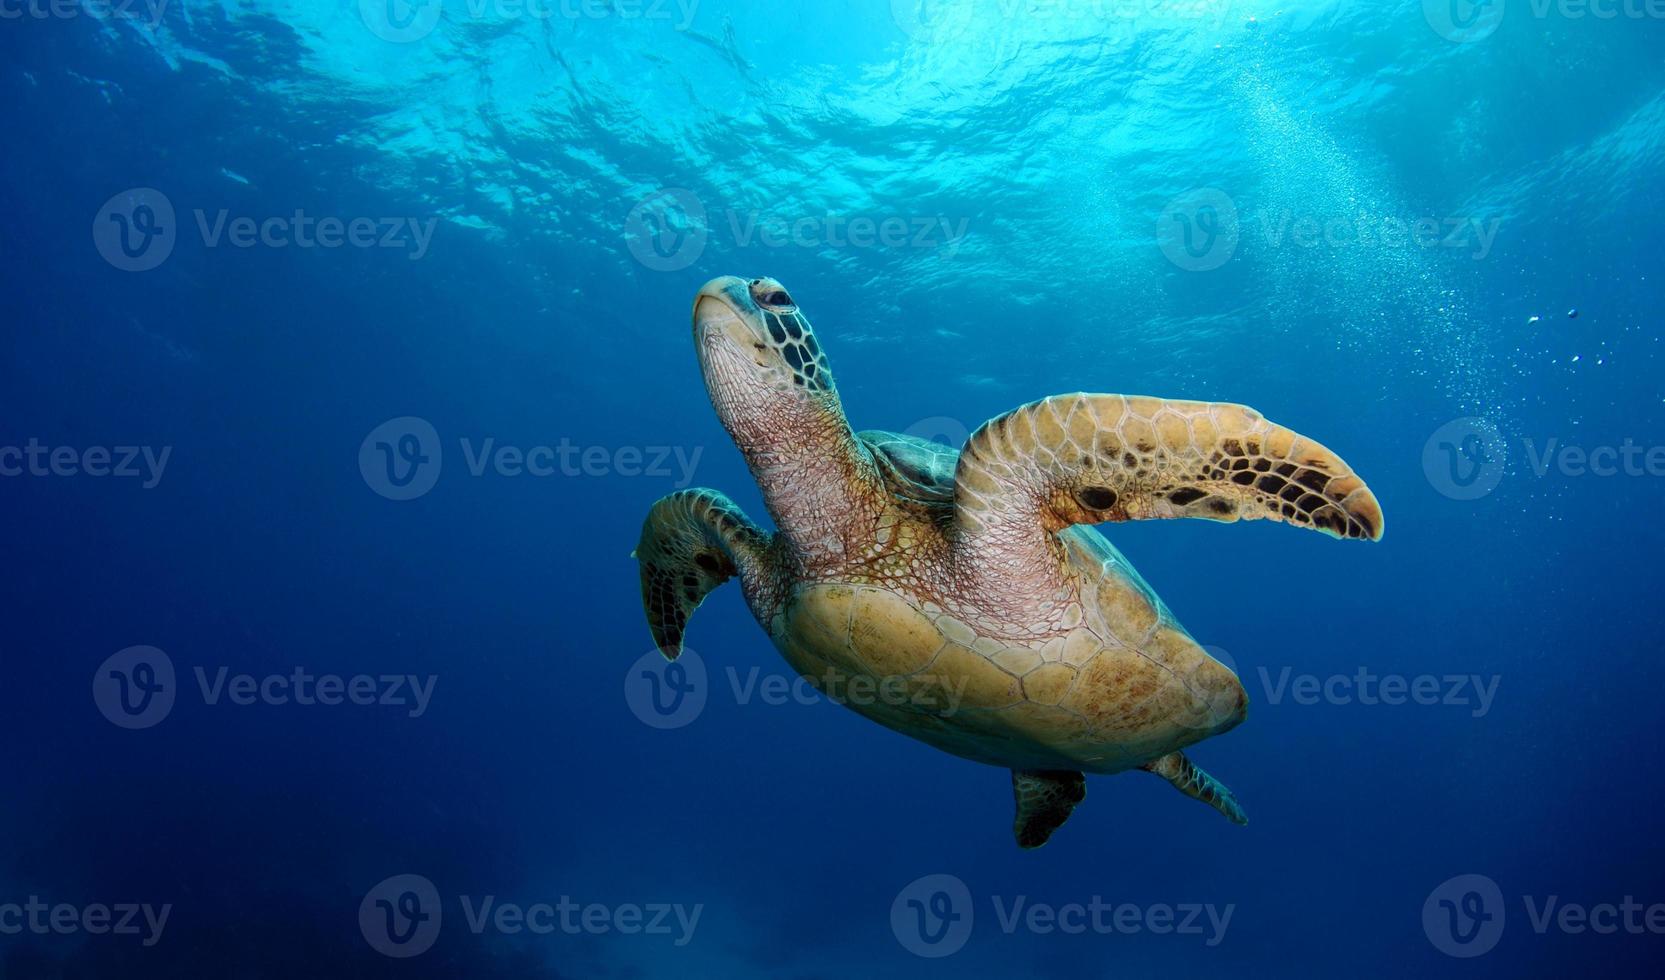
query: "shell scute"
1048, 684
1127, 611
978, 681
892, 638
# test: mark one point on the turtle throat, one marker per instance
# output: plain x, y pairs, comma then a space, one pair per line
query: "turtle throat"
813, 473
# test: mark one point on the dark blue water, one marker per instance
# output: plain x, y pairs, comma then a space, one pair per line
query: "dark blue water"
1374, 223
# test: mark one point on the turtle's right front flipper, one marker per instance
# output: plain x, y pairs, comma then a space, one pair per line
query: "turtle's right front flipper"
1087, 459
692, 542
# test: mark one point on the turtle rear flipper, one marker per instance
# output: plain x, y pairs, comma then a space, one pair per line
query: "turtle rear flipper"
1191, 780
692, 542
1045, 799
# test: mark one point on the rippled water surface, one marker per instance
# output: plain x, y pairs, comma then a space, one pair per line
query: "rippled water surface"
256, 242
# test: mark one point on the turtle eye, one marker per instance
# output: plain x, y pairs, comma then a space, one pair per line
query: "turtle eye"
769, 294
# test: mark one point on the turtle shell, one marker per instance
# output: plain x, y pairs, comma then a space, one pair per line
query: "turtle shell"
1123, 684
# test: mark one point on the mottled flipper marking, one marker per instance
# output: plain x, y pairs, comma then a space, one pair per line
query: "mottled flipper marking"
1197, 784
692, 542
1086, 459
1045, 799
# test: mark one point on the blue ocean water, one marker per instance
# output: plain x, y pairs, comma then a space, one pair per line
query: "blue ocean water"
347, 346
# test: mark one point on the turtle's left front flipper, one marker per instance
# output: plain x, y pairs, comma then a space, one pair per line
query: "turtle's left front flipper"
1087, 459
692, 542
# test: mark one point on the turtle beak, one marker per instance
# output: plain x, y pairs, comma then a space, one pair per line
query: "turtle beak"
725, 337
729, 326
720, 302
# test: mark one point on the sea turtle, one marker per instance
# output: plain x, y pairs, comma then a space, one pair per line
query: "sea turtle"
963, 598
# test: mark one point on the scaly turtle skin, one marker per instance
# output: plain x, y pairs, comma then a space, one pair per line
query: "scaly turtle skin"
962, 598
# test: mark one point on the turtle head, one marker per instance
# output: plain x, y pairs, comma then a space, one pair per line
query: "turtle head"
766, 372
